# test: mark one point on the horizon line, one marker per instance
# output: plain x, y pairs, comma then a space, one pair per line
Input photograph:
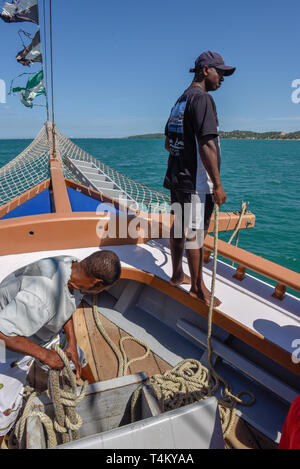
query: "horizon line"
154, 133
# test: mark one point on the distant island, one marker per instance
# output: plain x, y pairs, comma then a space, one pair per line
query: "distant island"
241, 134
247, 134
148, 136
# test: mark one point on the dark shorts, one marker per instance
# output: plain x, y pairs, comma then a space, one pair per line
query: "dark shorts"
195, 209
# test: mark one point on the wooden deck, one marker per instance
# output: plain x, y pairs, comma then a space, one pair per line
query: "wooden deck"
101, 358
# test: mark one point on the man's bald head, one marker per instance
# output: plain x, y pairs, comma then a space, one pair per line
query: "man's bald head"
95, 273
103, 265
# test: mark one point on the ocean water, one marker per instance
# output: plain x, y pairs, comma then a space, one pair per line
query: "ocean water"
265, 173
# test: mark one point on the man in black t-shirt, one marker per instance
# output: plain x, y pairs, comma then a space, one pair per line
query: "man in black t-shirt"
193, 174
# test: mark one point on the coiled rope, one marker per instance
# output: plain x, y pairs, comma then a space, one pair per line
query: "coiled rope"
67, 421
62, 390
123, 362
16, 438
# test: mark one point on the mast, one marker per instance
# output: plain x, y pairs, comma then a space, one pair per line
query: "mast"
59, 188
45, 60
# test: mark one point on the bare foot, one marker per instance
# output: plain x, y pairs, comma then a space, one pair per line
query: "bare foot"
204, 295
182, 280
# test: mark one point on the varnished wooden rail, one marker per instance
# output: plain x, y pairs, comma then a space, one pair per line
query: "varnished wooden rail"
21, 199
60, 193
234, 327
246, 260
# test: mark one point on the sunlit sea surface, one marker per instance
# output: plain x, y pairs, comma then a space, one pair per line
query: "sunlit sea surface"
265, 173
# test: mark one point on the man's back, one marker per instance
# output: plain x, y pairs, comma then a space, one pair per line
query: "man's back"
193, 116
35, 301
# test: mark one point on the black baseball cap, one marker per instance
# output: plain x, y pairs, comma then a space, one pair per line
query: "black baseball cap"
212, 59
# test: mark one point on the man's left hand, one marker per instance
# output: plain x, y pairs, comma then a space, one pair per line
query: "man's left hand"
220, 195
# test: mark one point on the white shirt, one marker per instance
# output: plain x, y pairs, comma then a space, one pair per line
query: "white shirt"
35, 301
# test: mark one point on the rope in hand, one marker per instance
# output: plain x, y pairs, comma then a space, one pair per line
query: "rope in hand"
229, 400
66, 422
189, 381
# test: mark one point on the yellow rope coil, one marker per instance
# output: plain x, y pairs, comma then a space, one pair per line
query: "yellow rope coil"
64, 399
21, 424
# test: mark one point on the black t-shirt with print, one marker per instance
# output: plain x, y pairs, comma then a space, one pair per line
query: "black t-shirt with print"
193, 116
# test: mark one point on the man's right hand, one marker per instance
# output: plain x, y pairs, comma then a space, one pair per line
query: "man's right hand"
53, 360
27, 347
220, 195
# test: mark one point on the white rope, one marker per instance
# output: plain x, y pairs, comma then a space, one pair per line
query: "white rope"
65, 398
190, 381
123, 362
244, 207
21, 423
70, 420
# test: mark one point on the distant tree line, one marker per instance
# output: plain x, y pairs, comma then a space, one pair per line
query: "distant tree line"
261, 135
237, 134
148, 136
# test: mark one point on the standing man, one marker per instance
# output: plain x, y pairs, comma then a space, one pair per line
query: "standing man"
193, 174
37, 303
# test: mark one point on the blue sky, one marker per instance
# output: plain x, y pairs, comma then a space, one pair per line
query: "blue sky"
119, 66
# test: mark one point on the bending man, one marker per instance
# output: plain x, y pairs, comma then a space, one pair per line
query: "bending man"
37, 303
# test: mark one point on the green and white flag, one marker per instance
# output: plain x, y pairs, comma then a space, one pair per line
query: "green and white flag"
35, 87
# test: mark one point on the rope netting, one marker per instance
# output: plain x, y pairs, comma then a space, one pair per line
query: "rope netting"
31, 167
27, 170
146, 198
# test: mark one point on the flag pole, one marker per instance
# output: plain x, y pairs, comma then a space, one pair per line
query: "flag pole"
52, 82
45, 60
